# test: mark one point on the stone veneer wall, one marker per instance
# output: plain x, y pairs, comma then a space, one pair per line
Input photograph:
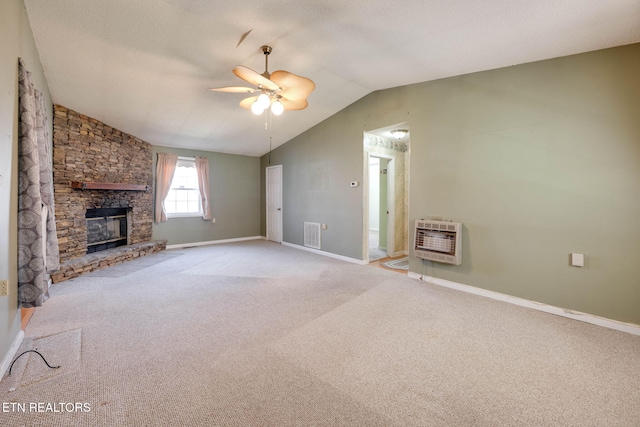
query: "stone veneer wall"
87, 150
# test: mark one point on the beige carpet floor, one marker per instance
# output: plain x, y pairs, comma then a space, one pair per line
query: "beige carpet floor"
259, 334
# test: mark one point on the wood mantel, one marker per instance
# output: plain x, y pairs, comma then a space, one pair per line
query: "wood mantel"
108, 186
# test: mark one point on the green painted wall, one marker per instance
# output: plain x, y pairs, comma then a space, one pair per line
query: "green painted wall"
16, 41
317, 167
235, 196
537, 160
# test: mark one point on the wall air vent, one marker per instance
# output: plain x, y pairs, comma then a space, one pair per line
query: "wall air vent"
312, 235
439, 241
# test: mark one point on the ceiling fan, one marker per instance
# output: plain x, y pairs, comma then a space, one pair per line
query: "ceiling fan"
279, 91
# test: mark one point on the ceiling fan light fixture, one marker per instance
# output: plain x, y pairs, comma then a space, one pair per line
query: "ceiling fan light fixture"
263, 100
277, 108
256, 108
277, 91
399, 133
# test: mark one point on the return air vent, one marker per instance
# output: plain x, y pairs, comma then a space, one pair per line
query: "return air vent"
312, 235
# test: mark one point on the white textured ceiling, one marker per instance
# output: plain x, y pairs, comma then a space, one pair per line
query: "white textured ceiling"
145, 66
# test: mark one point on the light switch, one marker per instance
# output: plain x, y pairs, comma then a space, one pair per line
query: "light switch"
577, 260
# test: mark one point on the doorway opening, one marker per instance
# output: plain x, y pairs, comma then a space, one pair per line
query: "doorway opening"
381, 182
386, 194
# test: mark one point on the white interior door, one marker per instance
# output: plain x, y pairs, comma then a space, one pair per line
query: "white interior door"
274, 203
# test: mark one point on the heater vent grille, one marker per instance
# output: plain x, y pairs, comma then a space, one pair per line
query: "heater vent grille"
312, 235
439, 241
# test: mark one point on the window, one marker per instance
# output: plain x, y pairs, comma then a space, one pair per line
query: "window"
184, 196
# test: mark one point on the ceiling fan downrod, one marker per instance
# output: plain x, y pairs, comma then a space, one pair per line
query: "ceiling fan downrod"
266, 50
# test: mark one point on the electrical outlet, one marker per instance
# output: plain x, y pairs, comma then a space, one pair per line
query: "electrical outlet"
4, 288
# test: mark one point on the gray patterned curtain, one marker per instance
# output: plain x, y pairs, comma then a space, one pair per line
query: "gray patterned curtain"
37, 239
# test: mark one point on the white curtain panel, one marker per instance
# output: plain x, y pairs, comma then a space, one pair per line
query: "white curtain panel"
165, 167
202, 168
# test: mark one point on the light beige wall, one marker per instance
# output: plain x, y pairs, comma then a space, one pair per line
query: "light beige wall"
537, 160
16, 40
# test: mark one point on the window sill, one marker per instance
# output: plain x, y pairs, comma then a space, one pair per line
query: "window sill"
189, 215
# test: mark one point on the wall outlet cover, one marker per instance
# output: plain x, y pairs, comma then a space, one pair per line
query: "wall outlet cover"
577, 260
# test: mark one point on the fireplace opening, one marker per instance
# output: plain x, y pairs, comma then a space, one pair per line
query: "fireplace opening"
106, 228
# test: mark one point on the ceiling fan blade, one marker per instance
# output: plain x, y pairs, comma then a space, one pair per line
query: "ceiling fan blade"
248, 75
298, 104
233, 89
294, 87
247, 102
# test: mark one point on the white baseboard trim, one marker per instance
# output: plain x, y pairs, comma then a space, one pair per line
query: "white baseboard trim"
8, 358
575, 315
213, 242
327, 254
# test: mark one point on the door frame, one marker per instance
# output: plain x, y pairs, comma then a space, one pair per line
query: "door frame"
278, 211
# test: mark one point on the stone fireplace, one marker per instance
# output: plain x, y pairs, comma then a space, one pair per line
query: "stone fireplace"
107, 228
97, 168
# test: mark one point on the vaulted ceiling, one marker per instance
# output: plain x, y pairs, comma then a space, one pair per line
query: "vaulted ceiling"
145, 66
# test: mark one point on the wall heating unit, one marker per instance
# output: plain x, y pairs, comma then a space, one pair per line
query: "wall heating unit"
439, 241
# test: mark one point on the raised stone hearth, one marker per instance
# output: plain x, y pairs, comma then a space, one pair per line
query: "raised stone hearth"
97, 260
